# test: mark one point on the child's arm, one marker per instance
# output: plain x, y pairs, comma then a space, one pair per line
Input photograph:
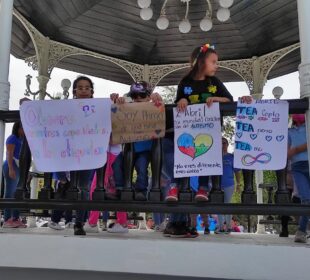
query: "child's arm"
117, 99
210, 100
238, 179
181, 100
156, 98
296, 150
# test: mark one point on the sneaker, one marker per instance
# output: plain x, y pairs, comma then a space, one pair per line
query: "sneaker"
140, 196
176, 230
161, 227
78, 229
19, 224
104, 226
118, 228
192, 232
173, 194
201, 195
55, 226
90, 228
300, 237
283, 233
9, 224
220, 231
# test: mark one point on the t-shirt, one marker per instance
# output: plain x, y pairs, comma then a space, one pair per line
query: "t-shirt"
143, 146
297, 137
227, 179
196, 91
14, 140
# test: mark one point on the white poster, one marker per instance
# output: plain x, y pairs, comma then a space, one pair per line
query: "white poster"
197, 141
261, 135
66, 135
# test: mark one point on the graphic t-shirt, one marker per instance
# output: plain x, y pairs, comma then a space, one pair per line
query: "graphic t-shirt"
197, 91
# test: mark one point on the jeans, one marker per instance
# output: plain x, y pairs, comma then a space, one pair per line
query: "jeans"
142, 161
10, 186
84, 180
300, 172
118, 172
61, 190
228, 193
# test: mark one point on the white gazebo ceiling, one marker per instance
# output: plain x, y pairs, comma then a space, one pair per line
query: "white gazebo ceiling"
114, 28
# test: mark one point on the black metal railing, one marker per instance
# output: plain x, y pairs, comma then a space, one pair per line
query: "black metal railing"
155, 203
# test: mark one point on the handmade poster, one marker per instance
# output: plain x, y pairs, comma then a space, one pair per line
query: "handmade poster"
66, 135
261, 135
134, 122
197, 141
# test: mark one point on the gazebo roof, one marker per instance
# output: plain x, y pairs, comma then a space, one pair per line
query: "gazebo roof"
114, 28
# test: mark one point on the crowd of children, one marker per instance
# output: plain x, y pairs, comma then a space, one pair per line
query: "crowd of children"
200, 85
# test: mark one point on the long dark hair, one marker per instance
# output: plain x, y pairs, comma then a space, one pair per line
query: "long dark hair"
16, 126
197, 61
82, 78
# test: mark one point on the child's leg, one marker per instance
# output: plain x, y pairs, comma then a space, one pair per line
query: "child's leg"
228, 193
118, 171
121, 218
141, 165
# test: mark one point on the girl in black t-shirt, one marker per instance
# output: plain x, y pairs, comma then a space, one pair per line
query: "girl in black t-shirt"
199, 86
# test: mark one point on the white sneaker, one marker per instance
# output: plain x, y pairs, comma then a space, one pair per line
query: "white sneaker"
300, 237
118, 228
55, 226
91, 228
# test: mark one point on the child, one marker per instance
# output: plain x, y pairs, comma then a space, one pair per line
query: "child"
11, 174
228, 186
297, 153
140, 92
199, 86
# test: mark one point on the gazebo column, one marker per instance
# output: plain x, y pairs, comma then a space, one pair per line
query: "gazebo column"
6, 12
304, 67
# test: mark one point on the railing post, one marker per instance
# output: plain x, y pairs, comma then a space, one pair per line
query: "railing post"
24, 166
156, 158
73, 191
282, 194
127, 192
99, 193
216, 195
248, 195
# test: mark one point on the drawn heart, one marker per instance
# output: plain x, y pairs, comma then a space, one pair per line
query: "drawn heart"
114, 109
280, 138
253, 136
268, 138
239, 134
250, 117
158, 131
194, 147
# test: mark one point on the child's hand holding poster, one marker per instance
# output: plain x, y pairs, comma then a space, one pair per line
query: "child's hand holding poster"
197, 141
261, 135
66, 135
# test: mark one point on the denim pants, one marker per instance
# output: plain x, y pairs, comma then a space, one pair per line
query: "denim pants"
84, 180
300, 171
228, 193
142, 161
57, 214
10, 186
118, 172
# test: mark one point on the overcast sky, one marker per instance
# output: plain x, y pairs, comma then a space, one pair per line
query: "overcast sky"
19, 69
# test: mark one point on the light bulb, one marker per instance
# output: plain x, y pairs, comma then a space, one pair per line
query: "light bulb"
144, 3
185, 26
146, 13
223, 14
206, 24
226, 3
277, 92
65, 84
162, 23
